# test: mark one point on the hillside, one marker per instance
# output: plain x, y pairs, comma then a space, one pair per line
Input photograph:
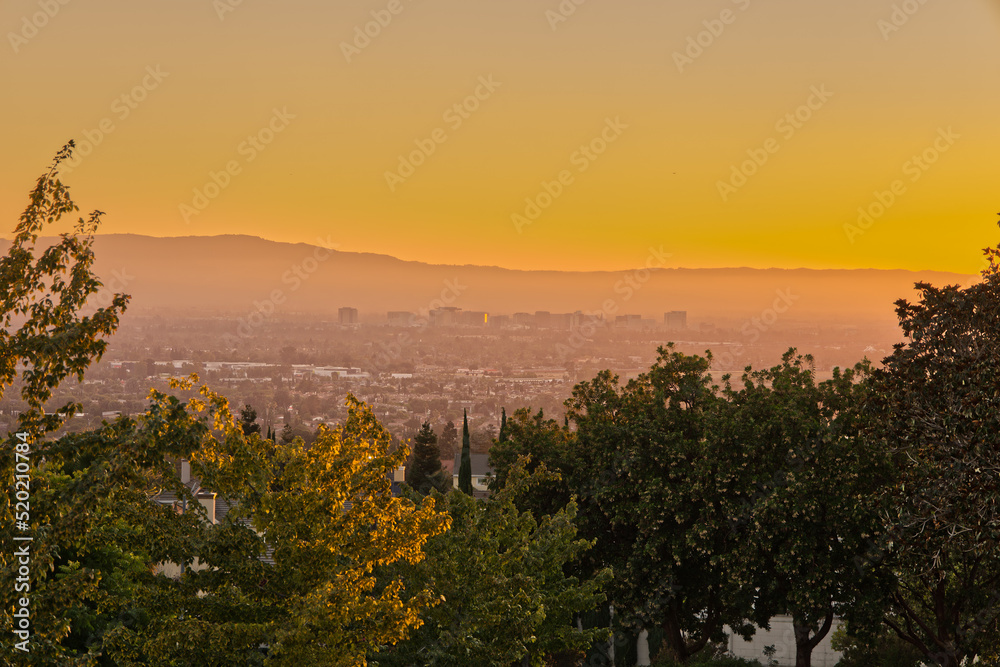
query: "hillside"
227, 274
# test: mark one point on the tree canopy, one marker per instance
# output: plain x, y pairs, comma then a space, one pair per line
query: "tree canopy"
505, 595
425, 472
936, 406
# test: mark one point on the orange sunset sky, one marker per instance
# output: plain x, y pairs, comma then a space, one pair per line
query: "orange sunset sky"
304, 119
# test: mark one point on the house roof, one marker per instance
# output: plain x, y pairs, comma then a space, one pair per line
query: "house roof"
480, 465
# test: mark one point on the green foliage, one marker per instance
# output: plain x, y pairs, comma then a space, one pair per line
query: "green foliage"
886, 650
42, 331
332, 521
327, 512
713, 655
99, 537
808, 518
713, 507
290, 431
544, 443
504, 593
248, 420
935, 406
655, 488
465, 468
661, 489
425, 471
44, 292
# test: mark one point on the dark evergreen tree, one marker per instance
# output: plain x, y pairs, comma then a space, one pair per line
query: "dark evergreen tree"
425, 472
465, 470
248, 420
503, 426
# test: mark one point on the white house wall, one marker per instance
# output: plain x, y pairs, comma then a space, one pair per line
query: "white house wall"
782, 637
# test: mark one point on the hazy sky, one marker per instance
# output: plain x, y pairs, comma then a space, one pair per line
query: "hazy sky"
682, 107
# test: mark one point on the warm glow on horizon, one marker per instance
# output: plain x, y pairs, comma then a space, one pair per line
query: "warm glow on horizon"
729, 133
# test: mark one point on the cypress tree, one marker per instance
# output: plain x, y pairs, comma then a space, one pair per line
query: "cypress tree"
503, 426
465, 469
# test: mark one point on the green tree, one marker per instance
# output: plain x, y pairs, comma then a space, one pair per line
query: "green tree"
505, 596
295, 428
936, 407
667, 489
248, 420
325, 514
44, 339
809, 515
465, 468
502, 437
332, 522
114, 536
42, 301
656, 490
884, 649
542, 441
425, 471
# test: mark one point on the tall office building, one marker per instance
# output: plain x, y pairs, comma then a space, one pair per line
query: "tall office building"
675, 320
401, 318
348, 315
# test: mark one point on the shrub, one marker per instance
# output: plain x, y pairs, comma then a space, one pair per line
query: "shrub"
885, 651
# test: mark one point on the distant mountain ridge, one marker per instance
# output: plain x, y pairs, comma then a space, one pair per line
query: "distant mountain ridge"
235, 274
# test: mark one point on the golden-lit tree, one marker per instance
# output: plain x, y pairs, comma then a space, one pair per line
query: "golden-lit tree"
332, 519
